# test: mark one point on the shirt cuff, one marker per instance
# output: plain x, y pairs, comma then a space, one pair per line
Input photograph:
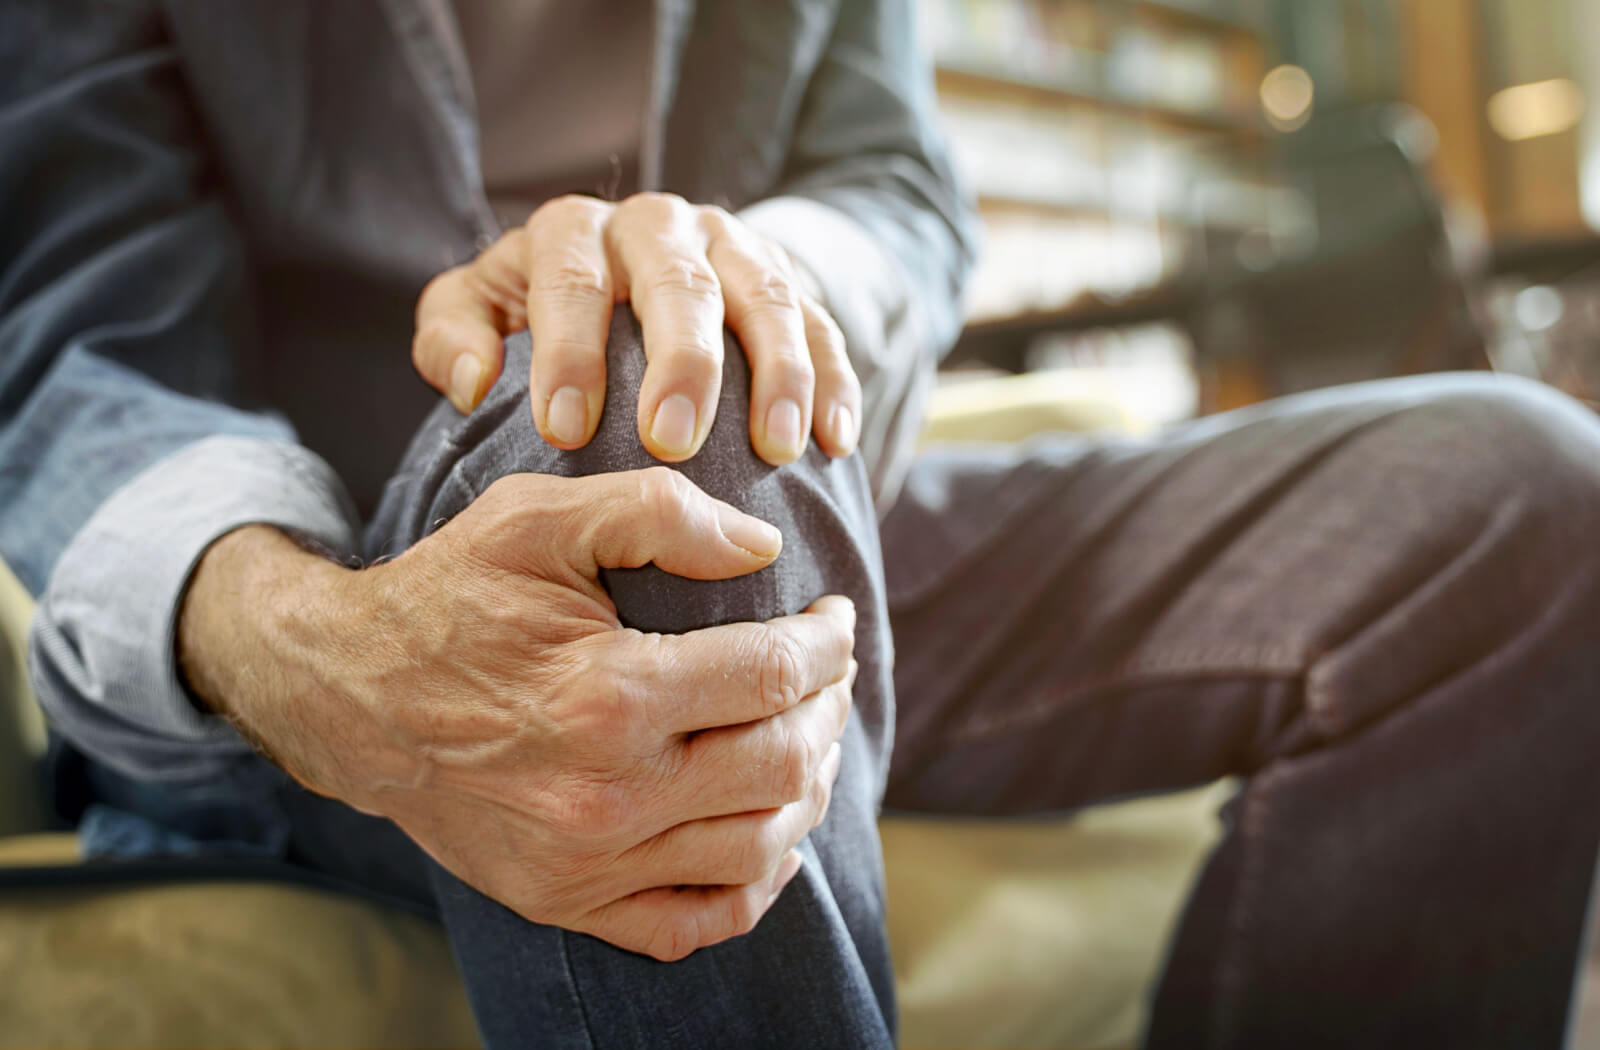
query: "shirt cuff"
841, 259
863, 290
102, 647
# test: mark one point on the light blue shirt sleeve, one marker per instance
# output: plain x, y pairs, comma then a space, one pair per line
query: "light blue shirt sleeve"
872, 209
102, 649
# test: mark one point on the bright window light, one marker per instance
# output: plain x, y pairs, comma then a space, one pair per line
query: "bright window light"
1286, 96
1527, 111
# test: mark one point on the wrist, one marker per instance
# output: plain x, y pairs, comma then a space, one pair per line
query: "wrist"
255, 630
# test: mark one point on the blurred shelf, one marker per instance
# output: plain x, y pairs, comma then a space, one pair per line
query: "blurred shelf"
1015, 205
1547, 258
1002, 342
971, 75
1201, 16
1010, 204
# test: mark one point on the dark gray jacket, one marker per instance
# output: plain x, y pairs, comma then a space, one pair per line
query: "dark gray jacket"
215, 219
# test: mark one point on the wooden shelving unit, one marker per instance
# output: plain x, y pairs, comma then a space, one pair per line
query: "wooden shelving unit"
1068, 90
1084, 127
1207, 16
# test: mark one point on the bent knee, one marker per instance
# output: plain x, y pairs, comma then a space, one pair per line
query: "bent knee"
1524, 439
1513, 448
455, 458
823, 507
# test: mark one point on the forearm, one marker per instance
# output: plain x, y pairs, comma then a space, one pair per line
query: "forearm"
251, 638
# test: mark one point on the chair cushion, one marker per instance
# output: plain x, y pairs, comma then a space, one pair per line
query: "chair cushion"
205, 964
1040, 933
1016, 934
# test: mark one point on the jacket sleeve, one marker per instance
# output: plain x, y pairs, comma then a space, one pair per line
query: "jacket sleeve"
871, 208
124, 312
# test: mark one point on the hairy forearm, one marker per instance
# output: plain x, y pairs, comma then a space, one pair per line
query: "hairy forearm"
258, 637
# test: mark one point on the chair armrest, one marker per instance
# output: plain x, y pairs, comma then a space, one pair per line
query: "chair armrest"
22, 732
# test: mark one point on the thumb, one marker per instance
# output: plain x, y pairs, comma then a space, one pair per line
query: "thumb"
462, 317
657, 515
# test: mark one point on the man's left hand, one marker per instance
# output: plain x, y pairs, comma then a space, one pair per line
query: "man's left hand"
686, 269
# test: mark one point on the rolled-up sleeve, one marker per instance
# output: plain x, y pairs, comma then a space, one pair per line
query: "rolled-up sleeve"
102, 648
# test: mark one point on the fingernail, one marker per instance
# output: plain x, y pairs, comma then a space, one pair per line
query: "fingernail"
464, 377
843, 426
568, 415
752, 534
783, 427
673, 427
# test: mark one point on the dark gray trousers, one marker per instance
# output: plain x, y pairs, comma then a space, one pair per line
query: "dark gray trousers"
1378, 605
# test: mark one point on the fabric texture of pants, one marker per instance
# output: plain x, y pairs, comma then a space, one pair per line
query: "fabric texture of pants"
1379, 606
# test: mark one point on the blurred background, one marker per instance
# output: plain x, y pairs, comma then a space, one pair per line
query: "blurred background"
1198, 204
1189, 206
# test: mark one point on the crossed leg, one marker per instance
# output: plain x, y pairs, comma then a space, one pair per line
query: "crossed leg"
1379, 604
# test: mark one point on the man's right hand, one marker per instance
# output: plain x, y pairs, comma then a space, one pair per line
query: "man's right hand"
480, 692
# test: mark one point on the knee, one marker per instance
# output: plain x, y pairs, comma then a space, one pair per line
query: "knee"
1523, 440
1521, 453
823, 507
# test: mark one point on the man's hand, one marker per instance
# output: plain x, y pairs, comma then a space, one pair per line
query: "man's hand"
480, 692
684, 268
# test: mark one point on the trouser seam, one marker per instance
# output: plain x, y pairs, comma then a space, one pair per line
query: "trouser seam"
1047, 703
1232, 961
565, 938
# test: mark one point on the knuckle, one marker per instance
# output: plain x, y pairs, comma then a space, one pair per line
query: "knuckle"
664, 495
821, 794
780, 672
847, 386
843, 701
832, 365
714, 219
771, 291
744, 911
589, 811
601, 707
572, 279
426, 335
841, 635
568, 206
771, 843
608, 709
437, 283
759, 854
654, 202
822, 330
695, 358
795, 763
685, 278
793, 370
673, 938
